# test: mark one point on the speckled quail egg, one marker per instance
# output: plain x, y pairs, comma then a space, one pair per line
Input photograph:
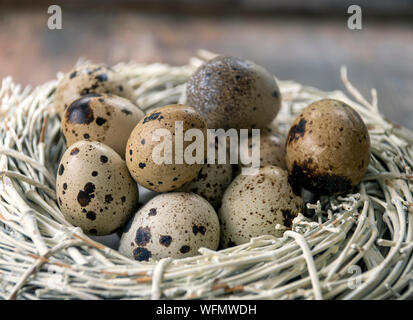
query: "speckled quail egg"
89, 78
212, 180
94, 188
253, 205
101, 117
272, 149
328, 148
142, 148
234, 93
174, 224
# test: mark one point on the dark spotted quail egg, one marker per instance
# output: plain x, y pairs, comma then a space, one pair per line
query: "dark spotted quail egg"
89, 78
94, 188
234, 93
328, 148
167, 174
174, 224
101, 117
254, 205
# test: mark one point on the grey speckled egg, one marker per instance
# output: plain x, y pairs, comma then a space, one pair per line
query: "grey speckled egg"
234, 93
89, 78
94, 188
253, 205
101, 117
174, 224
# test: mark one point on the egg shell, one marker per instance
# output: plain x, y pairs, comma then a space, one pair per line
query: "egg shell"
174, 224
254, 204
101, 117
166, 176
89, 78
272, 149
94, 188
234, 93
211, 181
328, 148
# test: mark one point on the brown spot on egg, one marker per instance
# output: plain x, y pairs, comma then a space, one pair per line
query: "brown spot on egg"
103, 159
165, 240
297, 131
143, 236
108, 198
151, 117
200, 229
100, 121
185, 249
126, 111
152, 212
142, 254
61, 169
85, 196
91, 215
74, 151
80, 112
102, 77
328, 184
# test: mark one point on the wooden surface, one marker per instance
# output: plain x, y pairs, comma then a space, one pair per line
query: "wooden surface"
308, 50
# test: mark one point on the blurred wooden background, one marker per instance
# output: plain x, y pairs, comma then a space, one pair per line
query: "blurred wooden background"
306, 41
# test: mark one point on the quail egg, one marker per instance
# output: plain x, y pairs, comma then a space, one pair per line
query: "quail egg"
101, 117
272, 149
253, 205
328, 148
89, 78
94, 188
174, 224
167, 169
212, 180
234, 93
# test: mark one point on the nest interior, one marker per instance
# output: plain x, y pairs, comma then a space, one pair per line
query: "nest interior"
356, 246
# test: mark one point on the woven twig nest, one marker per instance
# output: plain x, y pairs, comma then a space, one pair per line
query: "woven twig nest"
358, 246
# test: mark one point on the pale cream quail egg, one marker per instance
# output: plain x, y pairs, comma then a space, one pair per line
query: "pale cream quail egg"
94, 188
101, 117
253, 205
86, 79
174, 224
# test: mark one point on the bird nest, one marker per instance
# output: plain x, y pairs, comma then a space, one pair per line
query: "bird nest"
354, 246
